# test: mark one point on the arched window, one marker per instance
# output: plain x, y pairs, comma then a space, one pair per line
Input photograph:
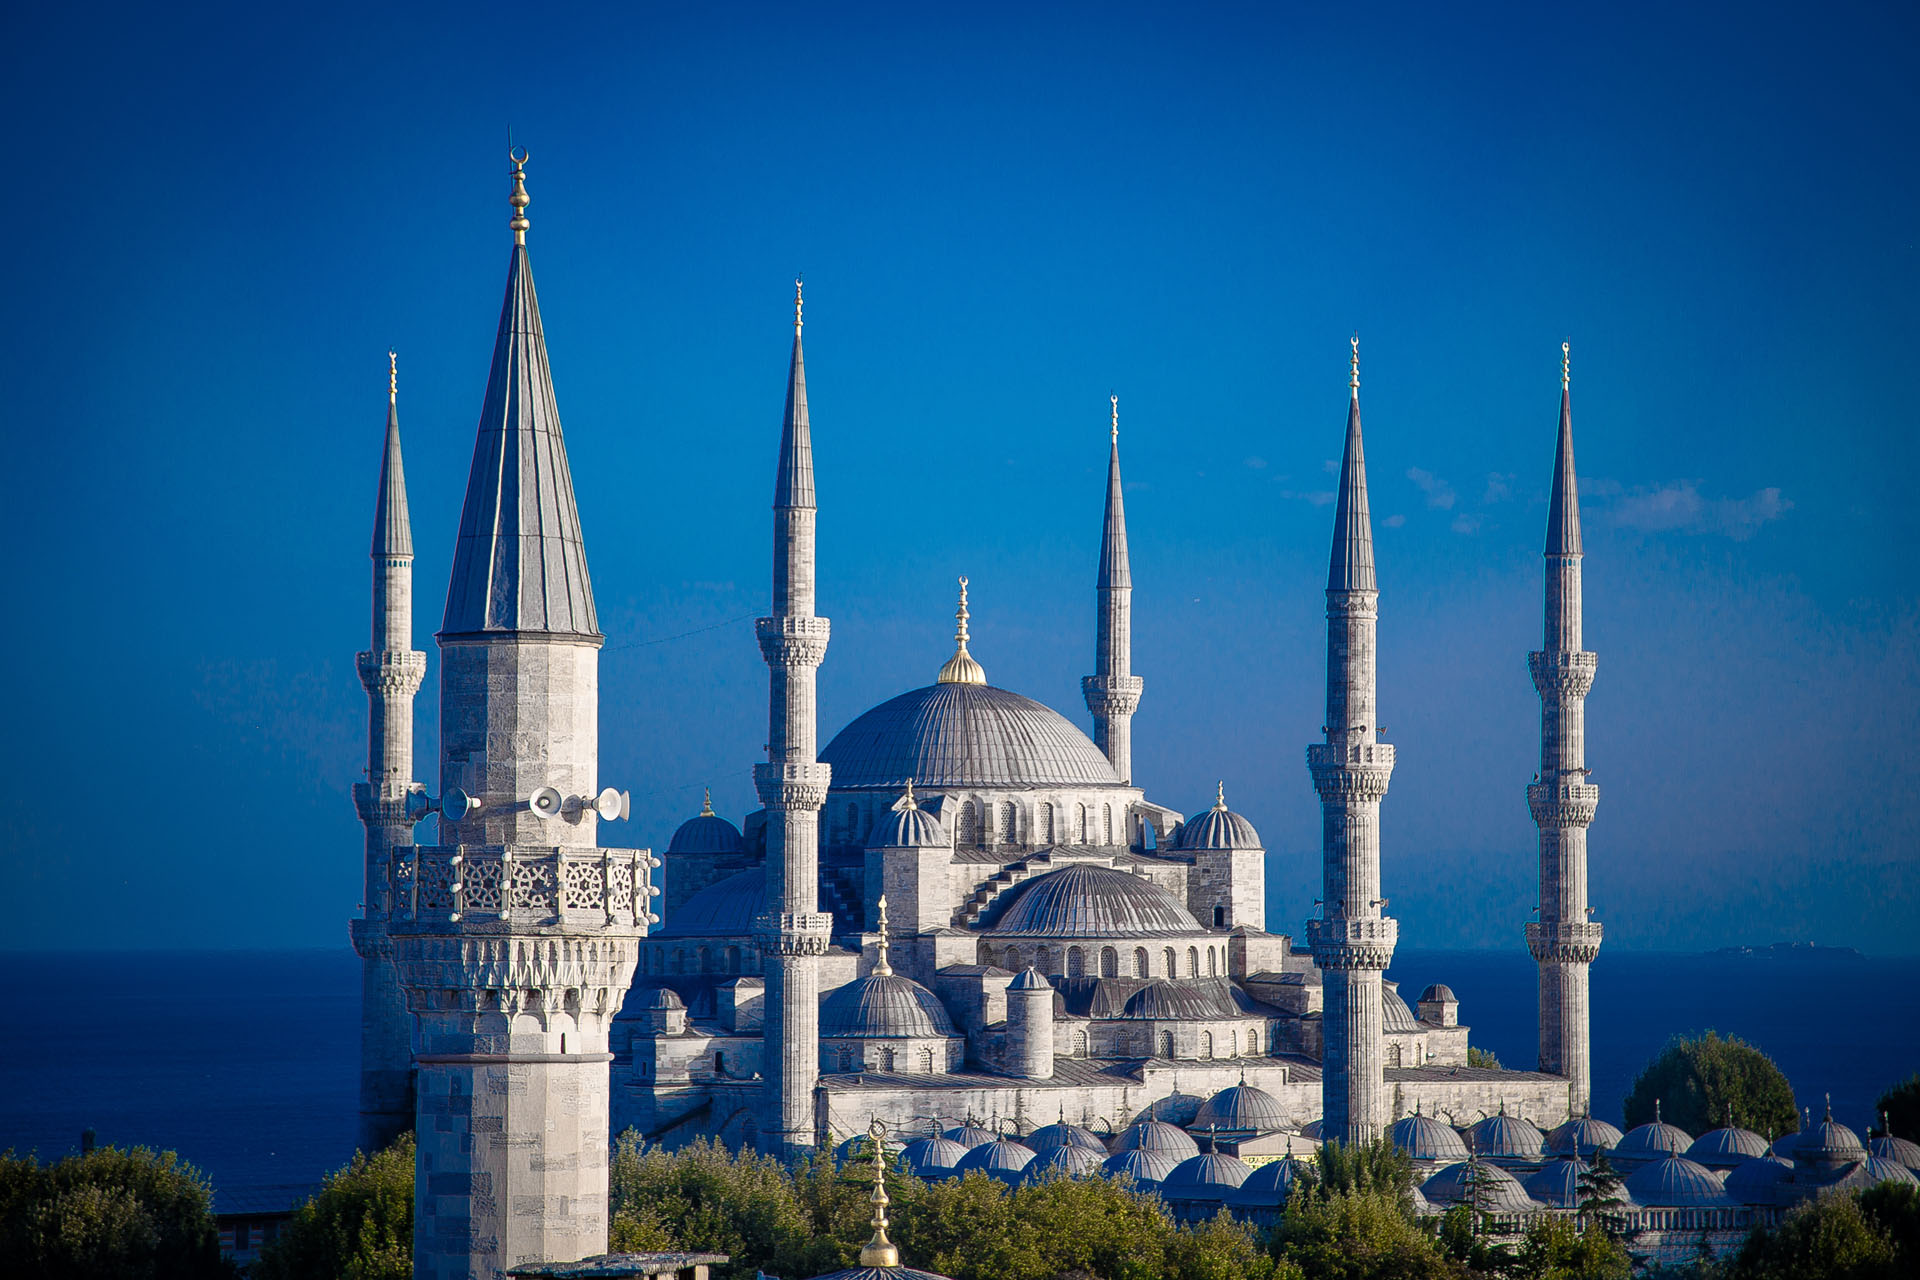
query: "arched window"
1253, 1042
1213, 968
1173, 964
853, 824
1166, 1044
679, 960
1046, 824
719, 1063
926, 1062
706, 960
969, 824
1219, 917
1086, 818
1109, 963
1106, 821
1233, 1044
1076, 963
1393, 1055
1008, 823
733, 959
1043, 959
1079, 1044
846, 1058
1139, 962
1206, 1044
1193, 962
886, 1060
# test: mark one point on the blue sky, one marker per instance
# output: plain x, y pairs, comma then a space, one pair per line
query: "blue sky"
223, 217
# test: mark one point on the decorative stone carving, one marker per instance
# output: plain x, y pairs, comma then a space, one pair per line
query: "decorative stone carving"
792, 785
1563, 804
1365, 943
1355, 773
1112, 695
472, 886
1563, 675
392, 671
794, 933
793, 641
1564, 942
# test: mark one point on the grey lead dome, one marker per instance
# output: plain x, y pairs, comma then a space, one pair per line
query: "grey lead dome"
964, 735
1093, 902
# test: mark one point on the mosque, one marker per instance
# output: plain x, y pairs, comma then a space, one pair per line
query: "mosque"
963, 917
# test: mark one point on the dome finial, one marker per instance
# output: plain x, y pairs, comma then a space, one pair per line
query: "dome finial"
1354, 380
797, 301
393, 375
1656, 1111
519, 199
706, 804
961, 667
907, 802
1566, 365
1116, 416
880, 965
1220, 796
1829, 1108
879, 1251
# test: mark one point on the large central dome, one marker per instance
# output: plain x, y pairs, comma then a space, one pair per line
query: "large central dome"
965, 735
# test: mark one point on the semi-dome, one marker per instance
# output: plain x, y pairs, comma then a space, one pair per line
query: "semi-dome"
1208, 1176
1218, 828
1062, 1162
1000, 1159
1499, 1191
1062, 1134
1161, 1000
1268, 1186
969, 1135
1505, 1137
933, 1157
1582, 1136
965, 735
1557, 1184
1149, 1168
908, 826
1724, 1148
1241, 1108
1653, 1140
1083, 901
1898, 1150
884, 1006
707, 833
1394, 1014
1675, 1182
726, 908
1756, 1181
1157, 1136
1424, 1138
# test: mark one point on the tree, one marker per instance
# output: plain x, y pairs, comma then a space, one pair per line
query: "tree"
1357, 1236
1901, 1107
1696, 1080
1376, 1166
1556, 1249
359, 1226
1600, 1199
704, 1196
1483, 1058
1829, 1238
108, 1214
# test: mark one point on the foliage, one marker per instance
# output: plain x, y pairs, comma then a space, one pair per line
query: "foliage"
1901, 1106
707, 1197
1358, 1235
1600, 1199
1376, 1166
109, 1213
1695, 1080
1830, 1238
359, 1226
1556, 1249
1483, 1058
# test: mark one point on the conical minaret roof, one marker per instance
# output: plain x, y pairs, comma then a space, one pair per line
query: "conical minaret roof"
793, 482
1350, 568
1563, 514
1114, 570
392, 530
520, 564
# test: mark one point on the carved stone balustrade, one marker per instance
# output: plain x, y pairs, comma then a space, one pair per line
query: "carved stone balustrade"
515, 888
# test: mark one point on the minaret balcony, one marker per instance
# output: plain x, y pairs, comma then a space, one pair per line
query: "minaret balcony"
394, 672
1112, 695
797, 785
794, 933
1563, 941
793, 640
1358, 771
489, 889
1561, 674
1563, 804
1344, 942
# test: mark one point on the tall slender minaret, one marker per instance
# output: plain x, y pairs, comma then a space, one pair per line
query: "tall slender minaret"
515, 937
792, 784
391, 670
1114, 691
1564, 941
1353, 941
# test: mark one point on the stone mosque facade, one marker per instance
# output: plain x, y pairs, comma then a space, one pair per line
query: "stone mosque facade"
964, 912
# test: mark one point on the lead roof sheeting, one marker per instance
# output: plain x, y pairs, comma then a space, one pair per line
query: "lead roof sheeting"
1092, 902
965, 735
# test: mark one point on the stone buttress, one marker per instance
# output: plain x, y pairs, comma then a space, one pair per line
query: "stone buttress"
792, 784
1564, 940
515, 937
1113, 693
389, 800
1353, 940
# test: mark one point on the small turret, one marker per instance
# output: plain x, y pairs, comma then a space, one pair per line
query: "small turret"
1030, 1026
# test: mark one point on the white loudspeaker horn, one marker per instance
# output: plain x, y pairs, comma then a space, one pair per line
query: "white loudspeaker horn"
457, 804
611, 805
546, 802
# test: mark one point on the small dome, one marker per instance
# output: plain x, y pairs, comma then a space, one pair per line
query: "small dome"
1159, 1137
908, 826
663, 998
884, 1007
1829, 1142
1881, 1169
1029, 979
1424, 1138
1394, 1014
1062, 1134
933, 1157
1083, 901
1161, 1000
1268, 1186
1149, 1168
1505, 1137
1755, 1181
1898, 1150
725, 908
1313, 1130
1725, 1148
1208, 1176
1239, 1109
1675, 1182
1438, 991
1218, 828
1652, 1141
708, 833
1499, 1191
999, 1159
1063, 1162
1582, 1136
1557, 1185
969, 1135
1783, 1146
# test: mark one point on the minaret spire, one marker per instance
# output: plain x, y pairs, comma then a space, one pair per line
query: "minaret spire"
1113, 691
792, 784
1564, 940
1353, 942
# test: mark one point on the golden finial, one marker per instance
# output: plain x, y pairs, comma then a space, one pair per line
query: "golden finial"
797, 301
393, 375
907, 801
1354, 381
1220, 794
519, 199
879, 1251
1566, 364
706, 804
961, 667
1116, 416
880, 965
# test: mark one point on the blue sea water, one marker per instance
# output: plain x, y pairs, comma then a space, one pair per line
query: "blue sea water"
244, 1062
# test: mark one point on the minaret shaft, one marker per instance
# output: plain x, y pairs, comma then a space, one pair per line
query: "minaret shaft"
1113, 692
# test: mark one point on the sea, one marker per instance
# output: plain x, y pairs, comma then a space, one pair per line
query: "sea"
244, 1062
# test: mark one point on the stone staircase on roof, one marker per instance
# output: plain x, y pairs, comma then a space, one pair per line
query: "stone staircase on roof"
988, 891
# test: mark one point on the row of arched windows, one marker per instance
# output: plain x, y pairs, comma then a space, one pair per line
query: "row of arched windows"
1113, 962
701, 959
991, 824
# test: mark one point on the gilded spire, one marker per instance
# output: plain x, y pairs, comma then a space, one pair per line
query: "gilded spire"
881, 967
1354, 380
519, 199
879, 1251
1220, 795
393, 376
706, 804
797, 303
1115, 400
1350, 567
906, 802
961, 667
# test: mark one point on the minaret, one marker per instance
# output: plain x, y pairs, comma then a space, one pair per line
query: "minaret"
1564, 941
792, 784
1353, 941
516, 937
1114, 691
391, 671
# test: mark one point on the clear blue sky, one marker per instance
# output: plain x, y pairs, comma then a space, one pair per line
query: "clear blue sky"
222, 218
